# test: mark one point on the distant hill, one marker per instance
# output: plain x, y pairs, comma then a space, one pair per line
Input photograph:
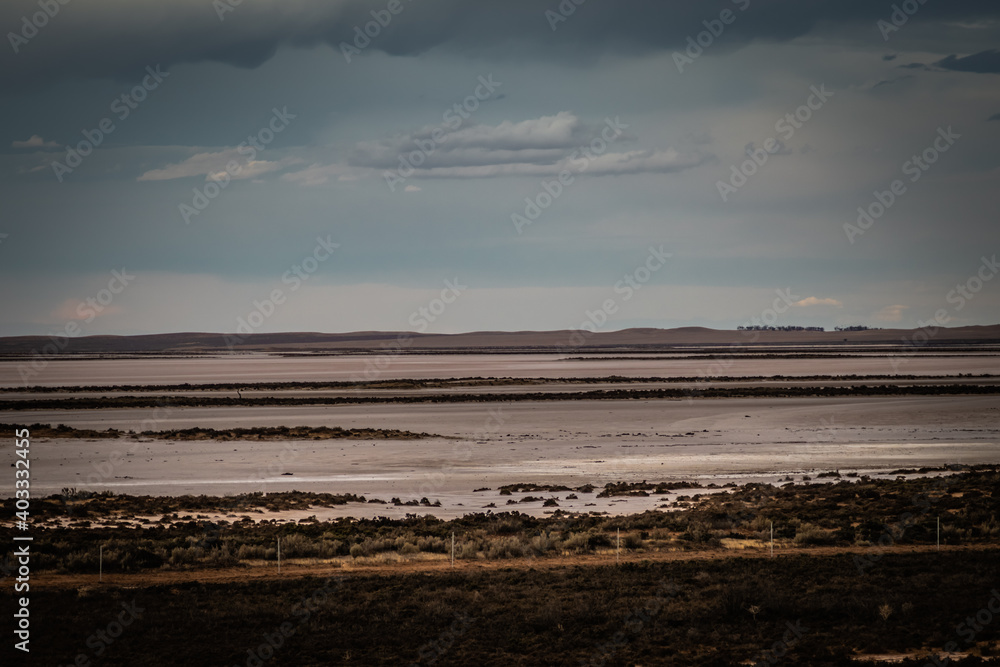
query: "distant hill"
645, 340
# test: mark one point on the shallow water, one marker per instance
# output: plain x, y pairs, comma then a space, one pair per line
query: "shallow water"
261, 368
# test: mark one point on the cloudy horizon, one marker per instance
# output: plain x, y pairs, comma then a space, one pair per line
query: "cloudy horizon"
339, 166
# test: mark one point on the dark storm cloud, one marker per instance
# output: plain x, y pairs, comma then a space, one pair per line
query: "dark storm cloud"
118, 38
984, 62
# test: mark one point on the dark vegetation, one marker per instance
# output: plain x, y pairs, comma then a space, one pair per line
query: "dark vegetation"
483, 381
786, 327
711, 613
843, 513
723, 611
199, 433
613, 394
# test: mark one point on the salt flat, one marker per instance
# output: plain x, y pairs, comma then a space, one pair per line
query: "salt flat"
491, 444
264, 368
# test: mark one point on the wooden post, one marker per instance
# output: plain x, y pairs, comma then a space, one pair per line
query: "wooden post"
279, 555
772, 539
453, 548
618, 553
100, 561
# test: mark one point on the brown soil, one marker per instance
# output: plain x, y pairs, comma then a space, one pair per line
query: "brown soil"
293, 570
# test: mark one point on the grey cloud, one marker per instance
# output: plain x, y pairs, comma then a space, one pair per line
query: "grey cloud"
386, 159
118, 38
782, 149
984, 62
213, 164
609, 164
543, 140
540, 146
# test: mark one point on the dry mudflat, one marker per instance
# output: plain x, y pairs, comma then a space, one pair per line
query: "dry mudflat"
272, 368
492, 444
486, 444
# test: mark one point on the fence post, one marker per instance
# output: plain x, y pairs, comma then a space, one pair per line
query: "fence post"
772, 539
453, 548
618, 553
279, 555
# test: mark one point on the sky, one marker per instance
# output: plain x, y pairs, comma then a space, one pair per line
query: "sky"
448, 166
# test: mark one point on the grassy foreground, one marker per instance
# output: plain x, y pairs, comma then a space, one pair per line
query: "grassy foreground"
856, 574
816, 610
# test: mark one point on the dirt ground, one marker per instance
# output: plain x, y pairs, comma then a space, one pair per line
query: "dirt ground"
305, 568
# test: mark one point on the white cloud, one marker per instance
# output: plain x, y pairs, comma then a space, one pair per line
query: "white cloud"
814, 301
891, 313
321, 174
214, 164
560, 131
609, 164
35, 141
